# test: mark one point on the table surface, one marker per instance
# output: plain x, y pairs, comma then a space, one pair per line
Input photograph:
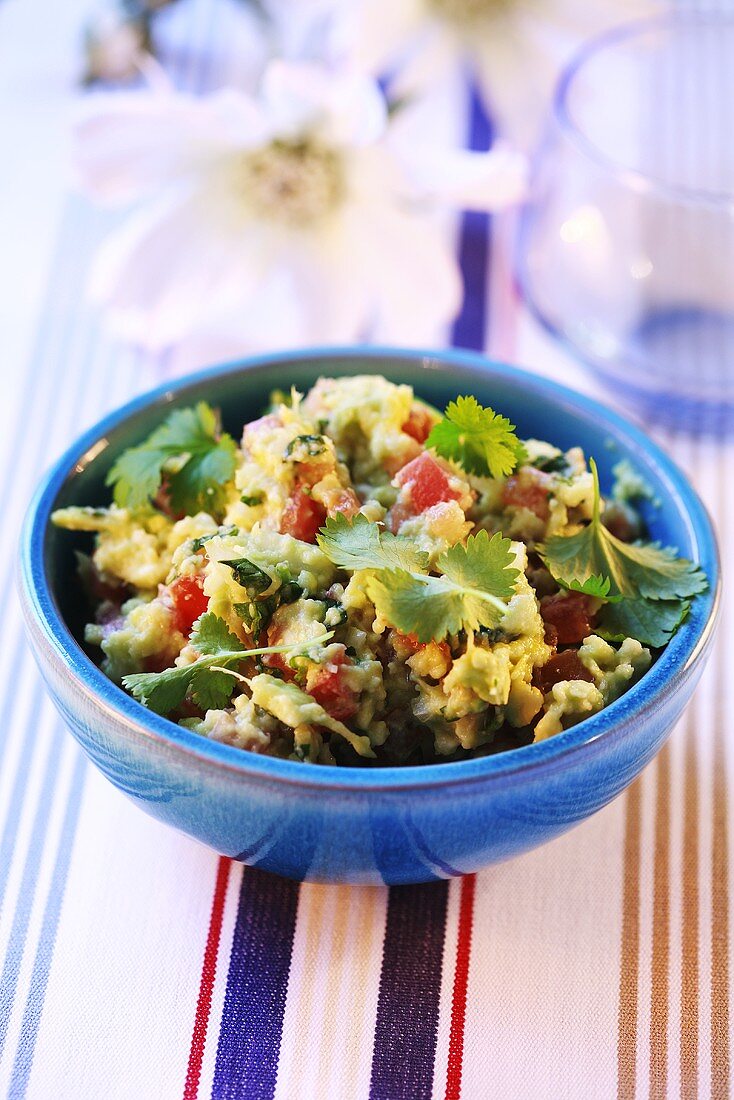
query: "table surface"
135, 963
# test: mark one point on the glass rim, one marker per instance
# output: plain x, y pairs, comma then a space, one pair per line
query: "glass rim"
633, 178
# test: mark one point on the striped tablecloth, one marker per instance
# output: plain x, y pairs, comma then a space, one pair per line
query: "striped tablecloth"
135, 964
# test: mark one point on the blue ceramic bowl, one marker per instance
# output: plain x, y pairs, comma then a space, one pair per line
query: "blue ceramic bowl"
329, 824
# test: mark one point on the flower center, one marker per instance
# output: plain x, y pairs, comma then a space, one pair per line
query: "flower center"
465, 13
295, 183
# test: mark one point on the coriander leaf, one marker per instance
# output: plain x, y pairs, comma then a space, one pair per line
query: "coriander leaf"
199, 486
429, 607
360, 544
651, 622
189, 452
634, 570
484, 562
160, 691
477, 579
211, 688
211, 636
593, 586
480, 440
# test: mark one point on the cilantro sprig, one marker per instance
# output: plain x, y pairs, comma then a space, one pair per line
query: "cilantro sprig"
634, 570
361, 544
209, 680
476, 579
189, 452
647, 587
480, 440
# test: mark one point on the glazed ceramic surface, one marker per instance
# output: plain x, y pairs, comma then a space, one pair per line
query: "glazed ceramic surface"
328, 824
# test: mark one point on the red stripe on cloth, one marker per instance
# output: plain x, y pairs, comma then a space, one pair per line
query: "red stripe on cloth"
461, 982
206, 985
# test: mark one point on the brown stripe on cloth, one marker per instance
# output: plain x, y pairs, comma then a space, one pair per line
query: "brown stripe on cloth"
630, 948
660, 962
689, 989
720, 1065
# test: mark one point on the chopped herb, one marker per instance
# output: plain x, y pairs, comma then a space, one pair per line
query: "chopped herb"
304, 447
249, 576
224, 532
554, 464
253, 499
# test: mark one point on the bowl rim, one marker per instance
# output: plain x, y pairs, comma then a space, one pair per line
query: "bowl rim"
665, 676
629, 176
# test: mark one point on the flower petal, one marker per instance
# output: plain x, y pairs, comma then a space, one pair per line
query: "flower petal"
128, 145
466, 180
408, 263
174, 266
344, 108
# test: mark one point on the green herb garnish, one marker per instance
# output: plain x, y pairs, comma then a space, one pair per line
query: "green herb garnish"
208, 680
480, 440
594, 558
476, 578
361, 544
188, 453
253, 499
651, 622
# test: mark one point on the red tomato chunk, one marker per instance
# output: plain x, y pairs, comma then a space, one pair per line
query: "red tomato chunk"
326, 684
570, 614
419, 424
428, 483
302, 517
189, 601
563, 666
527, 489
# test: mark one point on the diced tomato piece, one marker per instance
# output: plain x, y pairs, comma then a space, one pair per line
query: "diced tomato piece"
397, 515
419, 424
346, 504
406, 645
428, 482
562, 666
326, 685
528, 489
550, 635
302, 517
189, 601
570, 614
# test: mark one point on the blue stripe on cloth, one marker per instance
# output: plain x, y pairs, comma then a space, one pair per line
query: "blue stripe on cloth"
27, 890
410, 991
47, 938
257, 984
469, 329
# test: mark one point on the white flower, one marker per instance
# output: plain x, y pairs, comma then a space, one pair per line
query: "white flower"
294, 216
516, 48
